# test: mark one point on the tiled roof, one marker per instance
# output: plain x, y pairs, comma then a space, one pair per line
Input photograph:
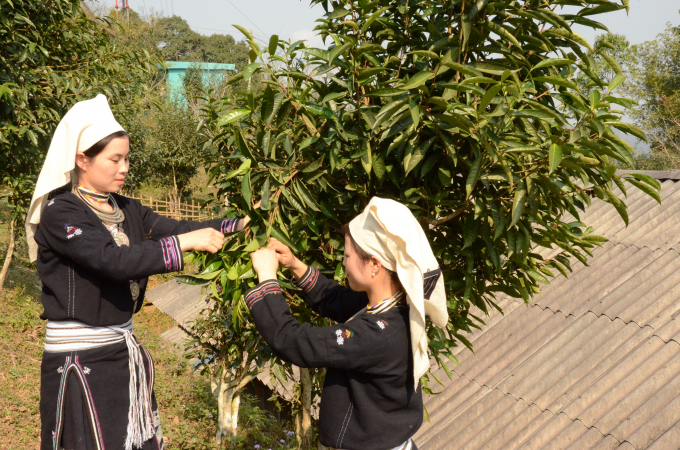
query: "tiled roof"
592, 363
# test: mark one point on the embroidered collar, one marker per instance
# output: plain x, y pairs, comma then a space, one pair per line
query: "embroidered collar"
383, 305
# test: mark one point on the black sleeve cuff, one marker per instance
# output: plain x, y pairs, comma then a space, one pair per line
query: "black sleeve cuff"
308, 280
257, 293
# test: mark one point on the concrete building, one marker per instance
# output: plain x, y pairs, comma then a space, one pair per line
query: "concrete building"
174, 73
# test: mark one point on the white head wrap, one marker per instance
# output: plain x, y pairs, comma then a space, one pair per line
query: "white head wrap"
85, 124
387, 230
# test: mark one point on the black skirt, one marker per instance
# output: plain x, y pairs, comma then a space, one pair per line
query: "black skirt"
84, 399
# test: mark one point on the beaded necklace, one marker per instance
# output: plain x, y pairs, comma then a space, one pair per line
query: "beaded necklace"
98, 197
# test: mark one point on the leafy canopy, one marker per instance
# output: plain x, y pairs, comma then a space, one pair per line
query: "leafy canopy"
52, 56
465, 111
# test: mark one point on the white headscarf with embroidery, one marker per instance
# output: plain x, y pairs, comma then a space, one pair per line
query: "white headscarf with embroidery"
85, 124
387, 230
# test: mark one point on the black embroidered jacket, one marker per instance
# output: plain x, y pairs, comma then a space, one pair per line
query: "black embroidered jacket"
368, 401
86, 276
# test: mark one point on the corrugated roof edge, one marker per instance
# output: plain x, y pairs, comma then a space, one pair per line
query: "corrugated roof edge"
660, 175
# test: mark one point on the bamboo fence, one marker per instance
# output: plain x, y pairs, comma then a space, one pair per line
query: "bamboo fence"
176, 210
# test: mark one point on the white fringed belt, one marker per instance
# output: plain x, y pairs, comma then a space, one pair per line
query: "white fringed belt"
71, 336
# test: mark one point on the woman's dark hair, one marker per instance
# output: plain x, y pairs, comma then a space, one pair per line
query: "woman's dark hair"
99, 146
365, 257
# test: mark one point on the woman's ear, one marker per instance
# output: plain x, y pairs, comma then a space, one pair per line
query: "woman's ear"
81, 160
375, 266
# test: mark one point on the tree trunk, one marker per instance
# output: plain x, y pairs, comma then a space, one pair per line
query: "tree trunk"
305, 433
228, 394
225, 418
8, 257
235, 404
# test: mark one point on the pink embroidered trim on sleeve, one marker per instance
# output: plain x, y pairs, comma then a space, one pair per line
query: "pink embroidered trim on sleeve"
229, 226
258, 292
308, 280
172, 254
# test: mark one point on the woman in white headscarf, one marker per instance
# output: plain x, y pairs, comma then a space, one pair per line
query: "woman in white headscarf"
94, 250
377, 352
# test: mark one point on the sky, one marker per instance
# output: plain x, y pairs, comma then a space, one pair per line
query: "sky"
295, 19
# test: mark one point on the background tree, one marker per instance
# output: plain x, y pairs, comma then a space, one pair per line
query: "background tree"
173, 149
44, 70
611, 57
465, 111
655, 84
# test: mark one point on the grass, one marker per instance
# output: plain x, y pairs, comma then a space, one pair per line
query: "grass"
187, 406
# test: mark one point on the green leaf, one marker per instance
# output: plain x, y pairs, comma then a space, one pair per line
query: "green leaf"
653, 182
534, 114
273, 44
490, 95
388, 92
232, 116
306, 196
554, 156
337, 51
502, 32
367, 158
473, 176
574, 37
188, 279
244, 31
629, 129
467, 70
417, 80
415, 111
373, 18
536, 276
647, 189
557, 81
338, 13
378, 166
252, 246
246, 189
476, 7
266, 193
250, 69
425, 53
614, 65
553, 62
618, 205
243, 168
616, 81
518, 203
332, 96
418, 153
319, 53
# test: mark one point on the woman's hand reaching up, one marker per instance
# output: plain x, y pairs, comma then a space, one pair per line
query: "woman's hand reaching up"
203, 240
265, 264
286, 258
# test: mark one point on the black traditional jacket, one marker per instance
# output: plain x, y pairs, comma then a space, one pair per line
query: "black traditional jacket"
368, 400
86, 276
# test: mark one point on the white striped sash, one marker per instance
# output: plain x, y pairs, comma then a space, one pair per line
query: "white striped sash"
72, 336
